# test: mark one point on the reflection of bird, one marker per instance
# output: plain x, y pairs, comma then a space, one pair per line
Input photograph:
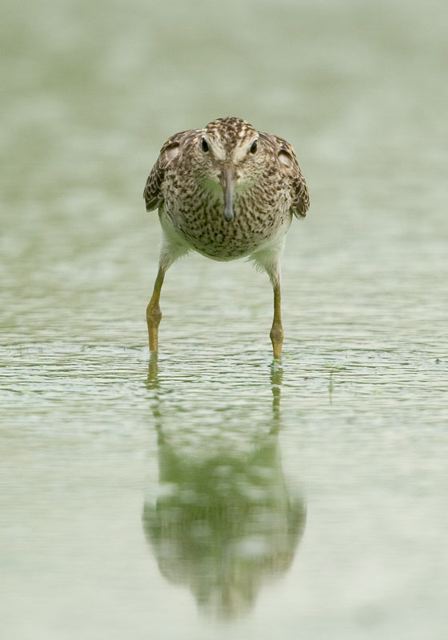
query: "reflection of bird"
224, 520
226, 191
223, 524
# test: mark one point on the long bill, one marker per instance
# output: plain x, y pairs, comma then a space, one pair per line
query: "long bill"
228, 186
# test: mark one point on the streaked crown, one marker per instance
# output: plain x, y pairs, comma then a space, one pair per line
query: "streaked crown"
225, 134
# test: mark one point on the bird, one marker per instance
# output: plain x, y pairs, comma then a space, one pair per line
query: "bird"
225, 191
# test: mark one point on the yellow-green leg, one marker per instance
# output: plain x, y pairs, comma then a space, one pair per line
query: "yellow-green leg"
153, 313
277, 329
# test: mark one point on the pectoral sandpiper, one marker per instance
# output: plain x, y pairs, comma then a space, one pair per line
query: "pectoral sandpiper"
226, 191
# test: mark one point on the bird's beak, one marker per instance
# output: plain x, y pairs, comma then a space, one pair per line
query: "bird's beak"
228, 178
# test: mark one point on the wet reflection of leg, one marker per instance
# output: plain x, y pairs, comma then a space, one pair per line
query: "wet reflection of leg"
276, 386
152, 380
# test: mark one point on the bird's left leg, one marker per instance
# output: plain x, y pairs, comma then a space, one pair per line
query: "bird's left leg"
277, 327
269, 260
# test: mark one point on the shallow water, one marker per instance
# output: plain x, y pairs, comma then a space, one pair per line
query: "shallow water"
210, 495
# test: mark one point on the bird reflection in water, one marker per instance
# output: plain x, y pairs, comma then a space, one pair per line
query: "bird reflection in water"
224, 521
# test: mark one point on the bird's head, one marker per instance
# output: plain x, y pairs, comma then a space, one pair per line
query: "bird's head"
230, 154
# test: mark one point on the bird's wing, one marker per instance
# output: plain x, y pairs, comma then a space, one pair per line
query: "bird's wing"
290, 167
169, 151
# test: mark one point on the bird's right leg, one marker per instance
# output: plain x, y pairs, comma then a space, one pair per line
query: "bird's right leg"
153, 313
170, 252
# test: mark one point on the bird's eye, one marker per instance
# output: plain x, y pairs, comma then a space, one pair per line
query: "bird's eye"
254, 147
204, 145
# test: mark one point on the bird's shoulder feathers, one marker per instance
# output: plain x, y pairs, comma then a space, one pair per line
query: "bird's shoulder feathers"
168, 154
289, 166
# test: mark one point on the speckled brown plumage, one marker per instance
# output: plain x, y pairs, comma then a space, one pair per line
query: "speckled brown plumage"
226, 191
272, 190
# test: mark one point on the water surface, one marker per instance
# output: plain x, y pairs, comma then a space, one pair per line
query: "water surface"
213, 496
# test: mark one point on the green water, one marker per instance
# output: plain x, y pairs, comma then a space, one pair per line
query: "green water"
213, 497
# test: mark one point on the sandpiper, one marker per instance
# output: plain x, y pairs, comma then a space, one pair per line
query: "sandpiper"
226, 191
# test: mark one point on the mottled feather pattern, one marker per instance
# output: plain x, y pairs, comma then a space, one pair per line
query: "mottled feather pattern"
184, 185
153, 188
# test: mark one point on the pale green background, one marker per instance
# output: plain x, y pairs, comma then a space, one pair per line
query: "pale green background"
357, 441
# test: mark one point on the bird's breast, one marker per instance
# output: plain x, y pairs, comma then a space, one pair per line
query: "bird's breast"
198, 218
